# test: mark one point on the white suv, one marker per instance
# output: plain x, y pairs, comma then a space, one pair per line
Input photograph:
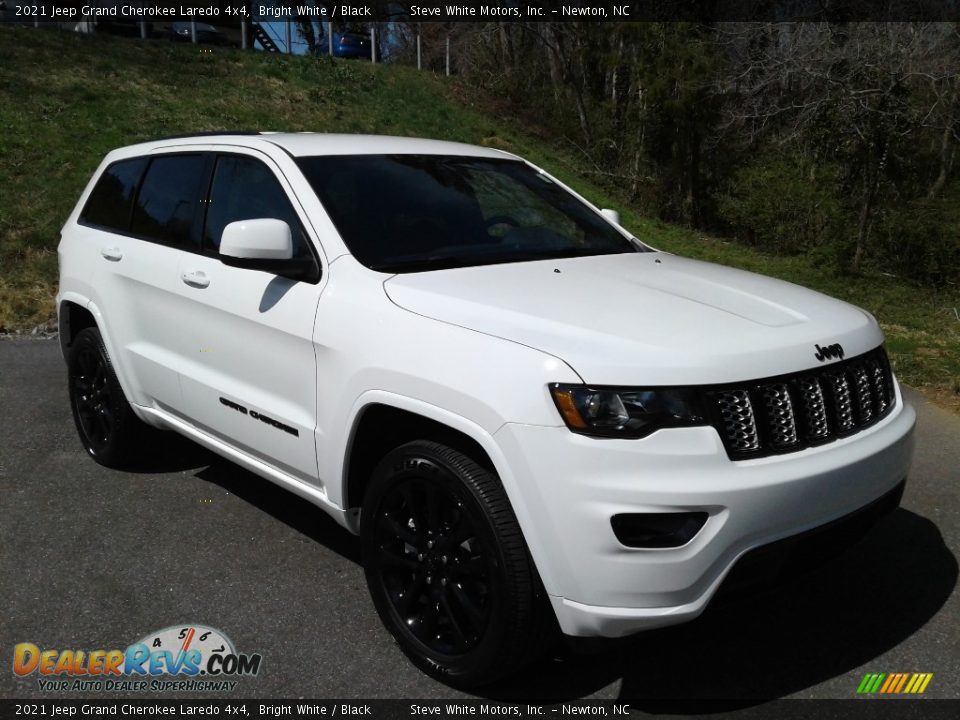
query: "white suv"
527, 414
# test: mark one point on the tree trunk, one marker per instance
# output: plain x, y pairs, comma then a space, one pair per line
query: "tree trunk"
582, 112
694, 180
863, 227
506, 49
563, 76
616, 75
553, 62
946, 153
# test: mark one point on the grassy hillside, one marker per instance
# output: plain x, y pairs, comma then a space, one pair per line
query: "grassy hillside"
65, 100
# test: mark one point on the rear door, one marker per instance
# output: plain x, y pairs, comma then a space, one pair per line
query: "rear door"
140, 218
249, 376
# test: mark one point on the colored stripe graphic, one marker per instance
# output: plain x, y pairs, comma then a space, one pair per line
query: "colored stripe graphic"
890, 686
894, 683
903, 681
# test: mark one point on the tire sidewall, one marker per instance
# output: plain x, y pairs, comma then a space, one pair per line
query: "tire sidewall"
114, 449
479, 663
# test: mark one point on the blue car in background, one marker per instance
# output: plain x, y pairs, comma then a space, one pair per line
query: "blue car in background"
206, 33
350, 45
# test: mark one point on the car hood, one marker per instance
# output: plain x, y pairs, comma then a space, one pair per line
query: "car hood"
643, 318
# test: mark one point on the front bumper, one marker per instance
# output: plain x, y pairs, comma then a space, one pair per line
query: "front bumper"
566, 487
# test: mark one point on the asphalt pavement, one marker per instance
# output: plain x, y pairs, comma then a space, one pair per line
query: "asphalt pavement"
92, 558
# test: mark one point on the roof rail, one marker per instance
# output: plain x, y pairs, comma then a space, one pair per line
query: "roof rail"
206, 133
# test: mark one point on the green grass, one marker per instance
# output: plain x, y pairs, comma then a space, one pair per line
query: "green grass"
66, 100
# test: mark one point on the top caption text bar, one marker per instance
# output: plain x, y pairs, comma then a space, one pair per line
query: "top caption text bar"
213, 11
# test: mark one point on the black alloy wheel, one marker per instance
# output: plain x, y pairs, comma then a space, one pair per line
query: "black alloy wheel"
108, 428
435, 568
446, 565
92, 396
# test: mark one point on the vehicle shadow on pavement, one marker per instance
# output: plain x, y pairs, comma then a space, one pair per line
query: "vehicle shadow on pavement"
758, 643
170, 452
769, 641
302, 516
166, 452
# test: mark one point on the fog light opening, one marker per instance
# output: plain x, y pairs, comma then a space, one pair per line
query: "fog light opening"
657, 530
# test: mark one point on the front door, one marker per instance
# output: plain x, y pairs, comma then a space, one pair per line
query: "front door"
249, 372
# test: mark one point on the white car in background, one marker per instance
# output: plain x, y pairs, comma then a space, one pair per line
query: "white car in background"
530, 417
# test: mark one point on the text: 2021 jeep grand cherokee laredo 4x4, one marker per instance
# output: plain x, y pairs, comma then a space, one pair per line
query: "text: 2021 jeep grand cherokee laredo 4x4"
517, 405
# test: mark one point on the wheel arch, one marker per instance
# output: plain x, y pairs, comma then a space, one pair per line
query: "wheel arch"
73, 315
382, 424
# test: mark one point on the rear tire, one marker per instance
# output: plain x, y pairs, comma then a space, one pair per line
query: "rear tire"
108, 428
447, 566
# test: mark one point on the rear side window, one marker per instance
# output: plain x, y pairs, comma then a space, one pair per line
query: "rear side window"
244, 189
110, 202
168, 200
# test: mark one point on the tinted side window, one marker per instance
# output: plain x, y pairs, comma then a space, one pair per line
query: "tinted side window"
244, 189
168, 199
112, 198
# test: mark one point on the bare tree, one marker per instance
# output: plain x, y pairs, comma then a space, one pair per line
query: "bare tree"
863, 93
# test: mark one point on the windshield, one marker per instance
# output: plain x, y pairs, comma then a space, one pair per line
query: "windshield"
410, 213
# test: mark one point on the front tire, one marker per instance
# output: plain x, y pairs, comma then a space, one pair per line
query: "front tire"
447, 566
108, 428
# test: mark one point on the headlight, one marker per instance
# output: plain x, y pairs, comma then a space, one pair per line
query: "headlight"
626, 412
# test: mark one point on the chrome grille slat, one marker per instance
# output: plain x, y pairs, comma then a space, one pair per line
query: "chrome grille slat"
864, 395
793, 412
783, 424
879, 382
739, 423
814, 408
842, 402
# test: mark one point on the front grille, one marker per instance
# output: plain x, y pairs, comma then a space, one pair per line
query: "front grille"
793, 412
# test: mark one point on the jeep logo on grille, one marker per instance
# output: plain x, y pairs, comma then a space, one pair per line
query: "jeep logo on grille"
830, 351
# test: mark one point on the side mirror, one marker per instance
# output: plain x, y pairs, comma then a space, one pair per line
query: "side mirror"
264, 239
611, 215
263, 244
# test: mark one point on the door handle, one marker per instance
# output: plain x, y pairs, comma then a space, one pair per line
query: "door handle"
195, 278
111, 253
